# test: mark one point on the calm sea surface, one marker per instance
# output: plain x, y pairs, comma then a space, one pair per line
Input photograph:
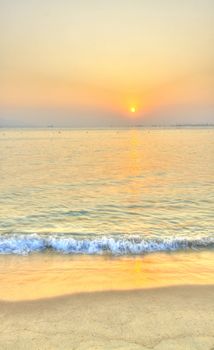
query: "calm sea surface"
117, 192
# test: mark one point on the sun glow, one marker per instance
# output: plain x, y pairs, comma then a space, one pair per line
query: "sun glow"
132, 109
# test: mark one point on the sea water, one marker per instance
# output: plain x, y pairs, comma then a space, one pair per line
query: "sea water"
106, 191
104, 209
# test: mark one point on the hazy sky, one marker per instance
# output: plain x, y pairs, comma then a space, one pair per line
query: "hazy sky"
88, 62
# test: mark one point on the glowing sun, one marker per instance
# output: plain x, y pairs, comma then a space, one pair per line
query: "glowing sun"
132, 109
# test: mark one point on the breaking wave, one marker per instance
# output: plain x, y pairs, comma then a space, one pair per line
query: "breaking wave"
114, 245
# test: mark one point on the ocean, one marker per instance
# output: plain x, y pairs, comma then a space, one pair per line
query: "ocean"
106, 191
104, 209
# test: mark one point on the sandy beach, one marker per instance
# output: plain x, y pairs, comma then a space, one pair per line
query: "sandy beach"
171, 318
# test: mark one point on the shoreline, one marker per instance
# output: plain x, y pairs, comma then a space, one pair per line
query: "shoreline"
166, 318
50, 275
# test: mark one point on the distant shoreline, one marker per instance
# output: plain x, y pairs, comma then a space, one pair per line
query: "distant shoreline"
173, 126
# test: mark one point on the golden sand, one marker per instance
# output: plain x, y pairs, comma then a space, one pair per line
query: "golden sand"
172, 318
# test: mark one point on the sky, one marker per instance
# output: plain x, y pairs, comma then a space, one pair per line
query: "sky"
106, 62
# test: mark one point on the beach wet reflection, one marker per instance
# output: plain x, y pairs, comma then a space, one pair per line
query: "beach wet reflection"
49, 275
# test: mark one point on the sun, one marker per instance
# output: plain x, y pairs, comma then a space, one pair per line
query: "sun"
132, 109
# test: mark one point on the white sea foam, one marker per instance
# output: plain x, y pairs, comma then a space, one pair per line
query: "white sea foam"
114, 245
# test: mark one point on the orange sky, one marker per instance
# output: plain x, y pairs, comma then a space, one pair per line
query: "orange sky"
106, 57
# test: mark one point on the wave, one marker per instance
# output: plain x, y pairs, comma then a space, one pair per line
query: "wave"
23, 244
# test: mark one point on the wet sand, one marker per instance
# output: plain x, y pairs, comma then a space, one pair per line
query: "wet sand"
45, 275
171, 318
